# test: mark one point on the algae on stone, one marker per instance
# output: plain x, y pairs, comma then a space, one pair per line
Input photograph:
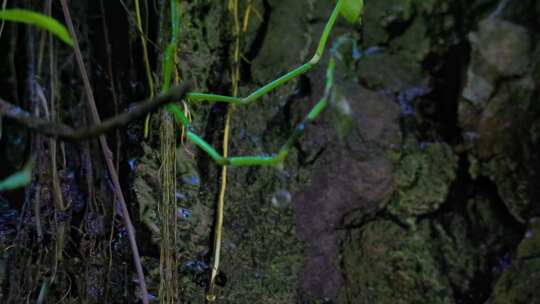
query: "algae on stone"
423, 176
385, 263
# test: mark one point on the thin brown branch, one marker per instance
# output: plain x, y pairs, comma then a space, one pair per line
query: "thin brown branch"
66, 132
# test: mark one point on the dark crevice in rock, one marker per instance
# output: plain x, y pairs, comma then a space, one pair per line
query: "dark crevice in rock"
210, 173
213, 135
308, 159
498, 257
380, 215
497, 253
256, 45
445, 93
283, 122
213, 132
398, 27
480, 8
464, 188
126, 60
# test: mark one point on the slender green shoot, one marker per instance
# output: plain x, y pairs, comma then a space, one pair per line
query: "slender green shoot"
272, 160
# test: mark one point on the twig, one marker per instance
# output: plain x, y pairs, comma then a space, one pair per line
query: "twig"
65, 132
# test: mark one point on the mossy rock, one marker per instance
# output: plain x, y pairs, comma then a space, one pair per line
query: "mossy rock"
423, 177
520, 282
385, 263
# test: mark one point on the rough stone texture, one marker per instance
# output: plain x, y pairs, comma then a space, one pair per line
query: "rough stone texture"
350, 175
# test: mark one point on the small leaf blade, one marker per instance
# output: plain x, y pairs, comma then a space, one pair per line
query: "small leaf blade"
39, 20
352, 10
18, 179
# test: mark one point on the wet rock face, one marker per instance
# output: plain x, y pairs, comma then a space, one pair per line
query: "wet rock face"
355, 174
498, 110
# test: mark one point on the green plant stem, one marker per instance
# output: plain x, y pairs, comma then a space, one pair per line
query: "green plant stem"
284, 151
281, 80
299, 130
170, 52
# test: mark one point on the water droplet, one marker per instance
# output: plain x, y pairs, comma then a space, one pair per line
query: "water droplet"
471, 136
152, 297
281, 198
15, 111
132, 164
180, 196
243, 133
504, 262
424, 145
184, 213
356, 54
198, 266
192, 180
372, 50
344, 107
405, 98
406, 109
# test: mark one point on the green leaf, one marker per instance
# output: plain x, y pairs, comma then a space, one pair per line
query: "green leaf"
18, 179
39, 20
352, 10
